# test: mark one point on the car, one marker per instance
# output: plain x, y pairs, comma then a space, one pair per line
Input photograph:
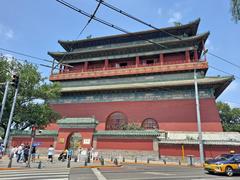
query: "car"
228, 164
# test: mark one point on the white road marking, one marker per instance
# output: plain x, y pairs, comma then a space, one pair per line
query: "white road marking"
98, 174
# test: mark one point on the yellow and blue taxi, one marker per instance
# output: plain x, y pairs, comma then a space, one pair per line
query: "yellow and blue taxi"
225, 163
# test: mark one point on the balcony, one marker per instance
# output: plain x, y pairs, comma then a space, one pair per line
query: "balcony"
128, 70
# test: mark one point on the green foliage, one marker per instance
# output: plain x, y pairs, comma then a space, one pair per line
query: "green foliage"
230, 117
131, 126
235, 8
31, 106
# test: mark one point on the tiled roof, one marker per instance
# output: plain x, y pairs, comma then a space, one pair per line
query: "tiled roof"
128, 133
16, 132
85, 120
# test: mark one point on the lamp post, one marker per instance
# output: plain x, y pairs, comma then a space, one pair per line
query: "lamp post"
33, 134
200, 141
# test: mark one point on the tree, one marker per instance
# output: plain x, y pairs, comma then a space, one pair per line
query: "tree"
32, 101
235, 8
230, 117
131, 126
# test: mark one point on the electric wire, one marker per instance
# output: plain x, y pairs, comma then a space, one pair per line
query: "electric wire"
223, 59
125, 31
80, 33
136, 19
26, 61
106, 22
23, 54
151, 26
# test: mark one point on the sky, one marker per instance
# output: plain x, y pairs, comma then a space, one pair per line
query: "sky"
34, 27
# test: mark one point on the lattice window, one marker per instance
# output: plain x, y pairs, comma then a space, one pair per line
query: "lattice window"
150, 123
116, 121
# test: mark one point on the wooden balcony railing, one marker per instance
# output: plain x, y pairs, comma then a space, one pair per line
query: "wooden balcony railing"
129, 70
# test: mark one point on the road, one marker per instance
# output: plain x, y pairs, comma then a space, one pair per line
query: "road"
35, 174
142, 172
126, 172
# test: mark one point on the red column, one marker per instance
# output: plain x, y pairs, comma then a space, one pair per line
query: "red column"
137, 61
85, 66
195, 55
187, 56
106, 62
161, 59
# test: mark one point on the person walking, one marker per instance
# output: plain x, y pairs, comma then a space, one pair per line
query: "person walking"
50, 153
19, 152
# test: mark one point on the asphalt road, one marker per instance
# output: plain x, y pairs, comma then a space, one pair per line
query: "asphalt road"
142, 172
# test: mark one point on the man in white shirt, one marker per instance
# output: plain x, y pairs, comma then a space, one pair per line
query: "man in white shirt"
50, 153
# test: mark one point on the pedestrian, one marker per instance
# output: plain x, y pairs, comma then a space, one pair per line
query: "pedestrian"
1, 151
26, 153
79, 153
33, 153
19, 152
69, 154
13, 152
50, 153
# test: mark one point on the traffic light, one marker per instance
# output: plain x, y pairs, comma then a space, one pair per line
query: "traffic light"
15, 80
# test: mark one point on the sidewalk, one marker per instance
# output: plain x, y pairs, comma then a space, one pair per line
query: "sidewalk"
46, 164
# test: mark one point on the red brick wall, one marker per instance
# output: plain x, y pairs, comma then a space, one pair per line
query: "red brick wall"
45, 142
210, 151
65, 133
125, 144
172, 115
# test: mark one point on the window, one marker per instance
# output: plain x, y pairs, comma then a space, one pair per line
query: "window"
150, 123
150, 61
123, 64
116, 121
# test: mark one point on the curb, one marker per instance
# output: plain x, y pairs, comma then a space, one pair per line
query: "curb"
161, 164
2, 169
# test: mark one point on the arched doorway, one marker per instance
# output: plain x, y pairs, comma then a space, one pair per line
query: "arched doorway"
74, 141
150, 123
116, 121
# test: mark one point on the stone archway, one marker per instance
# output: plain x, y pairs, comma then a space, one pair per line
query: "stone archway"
74, 141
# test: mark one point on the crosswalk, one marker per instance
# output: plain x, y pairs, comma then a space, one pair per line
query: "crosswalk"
35, 174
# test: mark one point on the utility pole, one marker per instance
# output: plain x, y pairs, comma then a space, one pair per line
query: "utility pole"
4, 100
200, 140
33, 134
16, 85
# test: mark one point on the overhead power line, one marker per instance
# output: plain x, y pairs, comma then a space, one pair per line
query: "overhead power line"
26, 55
224, 71
80, 33
20, 60
106, 23
135, 18
154, 27
223, 59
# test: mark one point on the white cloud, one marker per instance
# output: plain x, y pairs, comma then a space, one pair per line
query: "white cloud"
159, 11
9, 34
176, 16
6, 32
